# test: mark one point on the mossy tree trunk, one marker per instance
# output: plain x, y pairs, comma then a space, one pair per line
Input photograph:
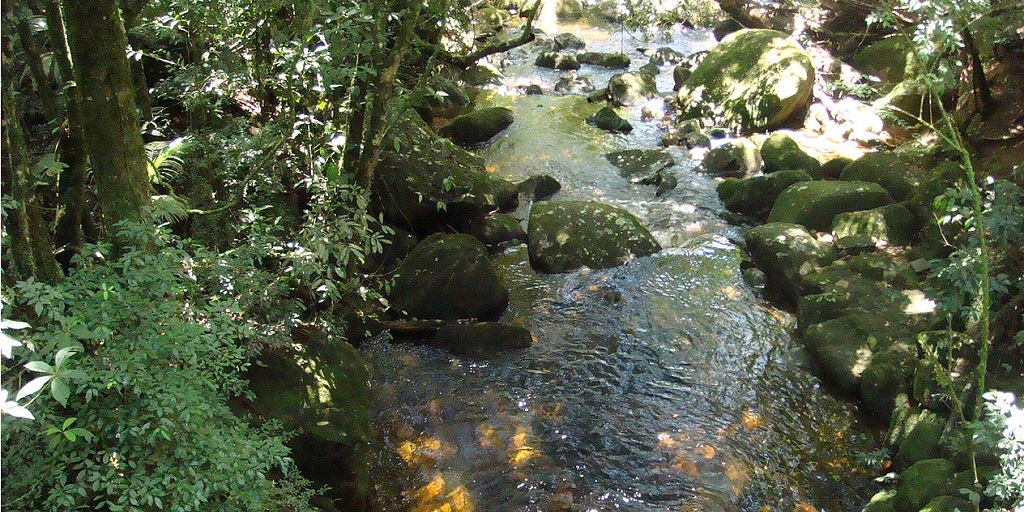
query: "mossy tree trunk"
98, 44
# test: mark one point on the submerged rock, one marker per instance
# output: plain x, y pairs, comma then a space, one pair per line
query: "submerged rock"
607, 119
448, 277
814, 204
484, 339
479, 126
753, 80
638, 165
566, 235
626, 89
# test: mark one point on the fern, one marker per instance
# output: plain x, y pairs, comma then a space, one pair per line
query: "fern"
163, 160
168, 209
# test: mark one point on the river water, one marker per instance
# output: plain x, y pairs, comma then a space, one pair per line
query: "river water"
666, 384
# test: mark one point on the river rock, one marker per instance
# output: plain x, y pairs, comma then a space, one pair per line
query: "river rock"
753, 80
539, 187
785, 252
607, 119
882, 501
574, 84
680, 74
921, 483
833, 168
454, 102
566, 235
890, 373
814, 204
555, 60
781, 153
481, 340
481, 75
893, 224
638, 165
666, 55
498, 228
626, 89
649, 69
950, 503
320, 390
448, 277
723, 28
842, 348
607, 60
887, 169
427, 171
755, 196
477, 127
568, 41
891, 60
738, 159
915, 435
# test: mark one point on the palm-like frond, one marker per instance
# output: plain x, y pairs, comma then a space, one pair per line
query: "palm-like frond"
168, 209
164, 161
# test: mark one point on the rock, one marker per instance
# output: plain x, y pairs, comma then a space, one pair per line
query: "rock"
395, 247
665, 181
555, 60
568, 41
649, 69
498, 228
921, 483
753, 80
491, 18
889, 374
909, 102
842, 349
891, 60
949, 504
833, 168
680, 74
540, 187
569, 10
607, 119
637, 165
454, 102
666, 55
320, 390
814, 204
626, 89
481, 340
785, 252
448, 277
921, 439
426, 171
781, 153
887, 169
755, 278
893, 224
755, 196
598, 95
566, 235
607, 60
480, 75
479, 126
882, 501
534, 90
738, 159
725, 27
574, 84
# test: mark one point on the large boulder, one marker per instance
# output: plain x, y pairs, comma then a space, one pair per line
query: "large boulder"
555, 60
568, 41
921, 483
738, 159
448, 277
424, 182
893, 224
814, 204
566, 235
625, 89
890, 373
482, 339
479, 126
607, 119
781, 153
891, 60
498, 228
753, 80
320, 389
842, 349
916, 435
639, 165
755, 196
607, 60
887, 169
785, 253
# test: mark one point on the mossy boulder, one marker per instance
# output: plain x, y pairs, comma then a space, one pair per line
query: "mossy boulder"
427, 171
607, 119
814, 204
842, 349
448, 277
887, 169
891, 60
755, 196
680, 74
890, 373
574, 84
949, 504
882, 501
556, 60
666, 55
479, 126
568, 41
498, 228
892, 224
566, 235
785, 253
921, 483
918, 436
781, 153
539, 187
753, 80
606, 60
625, 89
320, 389
480, 75
833, 168
739, 158
481, 340
638, 165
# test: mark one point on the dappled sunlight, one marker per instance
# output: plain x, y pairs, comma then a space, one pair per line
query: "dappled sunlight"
920, 304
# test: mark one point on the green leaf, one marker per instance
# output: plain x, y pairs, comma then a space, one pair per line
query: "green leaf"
33, 387
60, 390
74, 374
67, 423
62, 356
39, 366
70, 435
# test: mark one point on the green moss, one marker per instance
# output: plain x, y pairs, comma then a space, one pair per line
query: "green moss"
893, 224
781, 153
755, 196
921, 483
891, 60
814, 204
608, 60
479, 126
889, 170
566, 235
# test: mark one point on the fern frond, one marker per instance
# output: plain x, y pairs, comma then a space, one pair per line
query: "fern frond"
168, 209
164, 162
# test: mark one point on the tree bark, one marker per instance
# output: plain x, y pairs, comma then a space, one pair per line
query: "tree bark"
979, 83
97, 41
34, 58
738, 10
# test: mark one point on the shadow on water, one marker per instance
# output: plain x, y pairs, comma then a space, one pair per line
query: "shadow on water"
665, 384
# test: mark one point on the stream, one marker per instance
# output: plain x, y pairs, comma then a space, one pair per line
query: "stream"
664, 384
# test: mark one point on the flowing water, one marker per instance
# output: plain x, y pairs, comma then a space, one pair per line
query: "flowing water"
664, 384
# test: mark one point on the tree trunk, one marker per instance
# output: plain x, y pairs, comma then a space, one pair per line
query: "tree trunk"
97, 41
139, 82
979, 84
34, 57
738, 10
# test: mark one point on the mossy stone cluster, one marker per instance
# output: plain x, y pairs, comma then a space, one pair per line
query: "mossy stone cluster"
566, 235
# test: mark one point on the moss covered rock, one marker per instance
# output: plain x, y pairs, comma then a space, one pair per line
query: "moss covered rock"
738, 159
842, 349
786, 252
539, 187
448, 277
607, 60
887, 169
666, 55
566, 235
680, 74
814, 204
555, 60
755, 196
882, 501
916, 435
921, 483
625, 89
428, 171
477, 127
892, 224
607, 119
568, 41
890, 373
891, 60
949, 504
781, 153
753, 80
483, 339
638, 165
498, 228
833, 168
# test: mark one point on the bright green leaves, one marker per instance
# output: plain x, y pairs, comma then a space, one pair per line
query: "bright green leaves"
66, 431
57, 376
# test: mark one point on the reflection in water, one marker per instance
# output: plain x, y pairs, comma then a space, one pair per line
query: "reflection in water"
665, 384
